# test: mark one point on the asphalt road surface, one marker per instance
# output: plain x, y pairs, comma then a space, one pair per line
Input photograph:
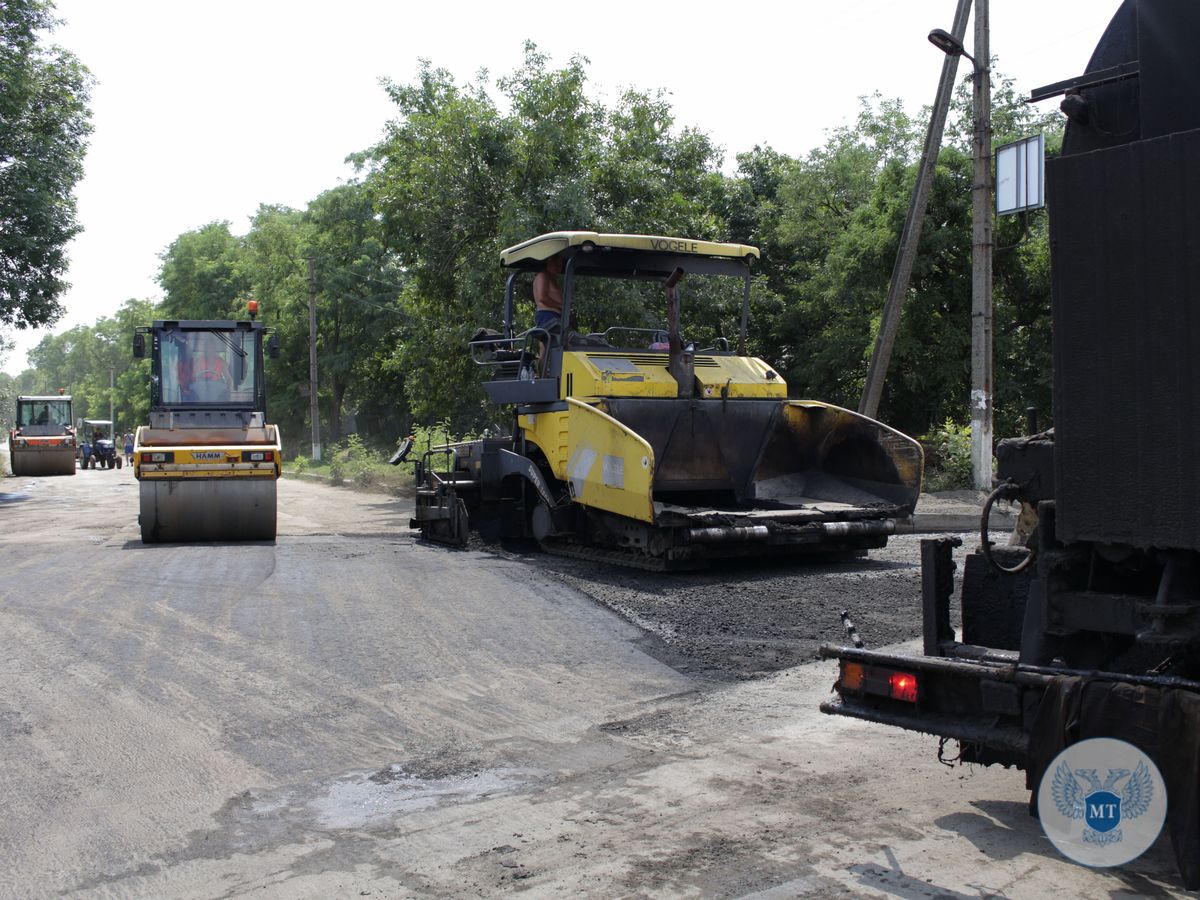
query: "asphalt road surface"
350, 712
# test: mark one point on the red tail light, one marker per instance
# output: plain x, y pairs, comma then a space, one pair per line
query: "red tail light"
903, 686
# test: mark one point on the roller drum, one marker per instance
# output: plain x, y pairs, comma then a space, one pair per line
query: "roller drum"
216, 509
30, 463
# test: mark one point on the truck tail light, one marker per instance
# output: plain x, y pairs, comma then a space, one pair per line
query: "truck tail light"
853, 676
903, 686
860, 678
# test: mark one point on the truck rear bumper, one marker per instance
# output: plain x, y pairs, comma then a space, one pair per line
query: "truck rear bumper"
982, 698
986, 702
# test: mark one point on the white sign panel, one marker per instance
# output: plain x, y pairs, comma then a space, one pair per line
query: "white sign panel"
1021, 175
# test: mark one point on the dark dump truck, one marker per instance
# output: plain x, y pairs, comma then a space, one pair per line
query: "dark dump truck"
1092, 627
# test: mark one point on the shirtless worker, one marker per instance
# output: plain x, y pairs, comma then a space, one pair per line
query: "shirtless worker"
547, 295
548, 298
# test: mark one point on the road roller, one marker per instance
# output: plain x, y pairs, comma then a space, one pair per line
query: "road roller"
43, 441
208, 462
641, 435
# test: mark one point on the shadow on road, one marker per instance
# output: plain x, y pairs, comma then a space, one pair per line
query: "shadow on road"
137, 543
892, 880
1004, 830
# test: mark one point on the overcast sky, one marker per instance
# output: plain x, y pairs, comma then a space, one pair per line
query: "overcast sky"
204, 109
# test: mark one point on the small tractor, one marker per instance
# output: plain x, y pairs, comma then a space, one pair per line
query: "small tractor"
208, 461
43, 441
648, 439
98, 447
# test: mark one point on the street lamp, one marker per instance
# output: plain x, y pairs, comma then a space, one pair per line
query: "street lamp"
981, 244
948, 43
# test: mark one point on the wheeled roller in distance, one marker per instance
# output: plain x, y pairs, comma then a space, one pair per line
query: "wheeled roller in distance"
42, 441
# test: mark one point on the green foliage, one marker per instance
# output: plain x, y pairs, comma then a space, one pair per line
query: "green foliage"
359, 284
952, 469
354, 462
44, 94
404, 261
834, 218
457, 179
203, 275
84, 360
353, 459
337, 471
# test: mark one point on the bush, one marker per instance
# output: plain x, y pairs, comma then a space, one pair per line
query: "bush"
337, 470
425, 437
351, 460
952, 470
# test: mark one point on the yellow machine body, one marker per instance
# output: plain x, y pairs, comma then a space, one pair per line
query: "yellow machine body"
589, 375
634, 440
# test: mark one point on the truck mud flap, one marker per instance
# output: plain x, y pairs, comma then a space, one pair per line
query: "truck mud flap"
1076, 708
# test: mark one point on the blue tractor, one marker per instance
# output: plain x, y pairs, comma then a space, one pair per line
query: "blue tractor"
98, 448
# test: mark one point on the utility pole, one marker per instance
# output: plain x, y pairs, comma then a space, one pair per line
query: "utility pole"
314, 412
111, 378
981, 259
910, 237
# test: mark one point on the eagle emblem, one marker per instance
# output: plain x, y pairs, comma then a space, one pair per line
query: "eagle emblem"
1099, 804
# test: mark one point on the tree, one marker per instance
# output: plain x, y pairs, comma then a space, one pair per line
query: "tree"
203, 275
44, 124
276, 272
359, 285
836, 215
456, 180
358, 314
834, 219
407, 258
81, 360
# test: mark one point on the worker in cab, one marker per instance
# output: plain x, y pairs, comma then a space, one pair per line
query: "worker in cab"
547, 295
548, 300
203, 375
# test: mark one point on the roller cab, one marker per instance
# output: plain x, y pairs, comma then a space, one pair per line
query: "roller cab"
643, 433
43, 439
208, 461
